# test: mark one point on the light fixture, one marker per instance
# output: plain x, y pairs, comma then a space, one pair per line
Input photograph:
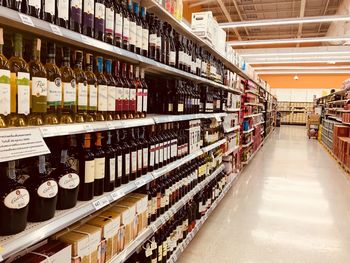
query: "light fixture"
322, 61
300, 67
296, 77
328, 72
330, 53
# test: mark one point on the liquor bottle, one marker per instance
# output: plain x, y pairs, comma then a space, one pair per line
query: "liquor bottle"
156, 140
69, 89
109, 30
34, 8
43, 191
14, 202
172, 47
161, 146
110, 167
88, 17
152, 149
101, 92
5, 75
86, 170
165, 48
81, 84
49, 11
20, 85
139, 92
152, 37
174, 143
100, 16
198, 61
180, 53
54, 86
126, 25
63, 13
132, 27
76, 15
119, 92
159, 27
111, 90
118, 26
145, 150
138, 19
126, 156
133, 154
126, 92
139, 152
16, 5
100, 163
92, 88
145, 32
119, 158
132, 94
38, 86
144, 94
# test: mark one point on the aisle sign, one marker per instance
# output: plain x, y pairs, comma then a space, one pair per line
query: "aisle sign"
18, 144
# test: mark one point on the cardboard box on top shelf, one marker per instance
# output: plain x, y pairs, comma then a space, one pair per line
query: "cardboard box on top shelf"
221, 42
201, 25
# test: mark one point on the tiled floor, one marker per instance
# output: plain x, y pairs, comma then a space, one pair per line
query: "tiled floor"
291, 204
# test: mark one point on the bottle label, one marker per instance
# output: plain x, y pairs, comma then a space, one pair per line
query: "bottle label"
169, 149
165, 248
158, 42
126, 29
170, 107
89, 171
160, 253
145, 99
69, 181
63, 9
139, 159
49, 189
5, 92
156, 156
139, 36
54, 92
111, 98
17, 199
139, 95
145, 36
92, 97
35, 3
118, 28
82, 96
172, 58
89, 13
49, 7
76, 10
167, 194
102, 97
133, 162
132, 102
120, 166
127, 164
198, 63
69, 93
100, 168
165, 151
180, 107
132, 33
126, 98
109, 20
119, 98
23, 93
181, 57
152, 155
153, 40
100, 11
145, 157
154, 205
161, 152
112, 169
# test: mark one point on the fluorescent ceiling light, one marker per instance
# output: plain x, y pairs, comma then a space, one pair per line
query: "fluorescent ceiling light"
310, 58
285, 21
300, 61
288, 41
303, 72
301, 67
294, 53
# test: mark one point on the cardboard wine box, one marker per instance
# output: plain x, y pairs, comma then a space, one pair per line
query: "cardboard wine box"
141, 209
133, 215
126, 222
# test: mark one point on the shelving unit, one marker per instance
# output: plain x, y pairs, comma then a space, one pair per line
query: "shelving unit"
294, 113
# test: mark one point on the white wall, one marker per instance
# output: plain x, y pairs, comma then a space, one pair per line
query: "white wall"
299, 95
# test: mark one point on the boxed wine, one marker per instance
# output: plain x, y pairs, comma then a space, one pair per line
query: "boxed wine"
221, 41
132, 205
201, 25
126, 221
142, 209
119, 238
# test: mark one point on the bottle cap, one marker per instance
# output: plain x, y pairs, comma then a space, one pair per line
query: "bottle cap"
109, 66
99, 64
136, 9
1, 36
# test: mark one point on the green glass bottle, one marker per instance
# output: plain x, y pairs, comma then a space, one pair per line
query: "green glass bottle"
82, 87
5, 87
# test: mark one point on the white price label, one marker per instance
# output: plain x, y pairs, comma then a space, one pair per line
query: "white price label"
162, 219
56, 30
47, 131
88, 128
102, 202
85, 39
139, 183
110, 125
26, 20
117, 50
167, 217
154, 228
116, 195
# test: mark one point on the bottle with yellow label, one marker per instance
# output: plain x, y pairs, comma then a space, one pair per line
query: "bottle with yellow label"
92, 88
5, 88
20, 85
82, 87
38, 86
102, 92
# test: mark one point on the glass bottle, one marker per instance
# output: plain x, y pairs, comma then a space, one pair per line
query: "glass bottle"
118, 26
109, 30
119, 158
126, 92
86, 170
138, 28
172, 47
159, 27
111, 90
63, 13
92, 88
69, 89
133, 154
100, 16
54, 86
126, 24
20, 85
132, 96
49, 10
139, 151
100, 163
34, 8
152, 37
101, 91
145, 149
126, 157
132, 27
110, 167
165, 48
81, 84
5, 87
88, 17
152, 148
16, 5
76, 15
145, 32
144, 94
119, 93
139, 93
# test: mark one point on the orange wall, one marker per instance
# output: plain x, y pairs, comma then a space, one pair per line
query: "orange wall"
305, 81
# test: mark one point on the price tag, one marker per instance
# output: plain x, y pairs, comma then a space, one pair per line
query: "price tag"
162, 219
154, 228
48, 131
174, 257
26, 20
56, 30
102, 202
88, 128
116, 195
139, 183
166, 217
110, 125
117, 50
85, 39
182, 247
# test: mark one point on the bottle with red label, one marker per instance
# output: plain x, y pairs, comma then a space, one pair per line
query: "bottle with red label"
119, 92
144, 94
110, 166
132, 95
126, 92
100, 163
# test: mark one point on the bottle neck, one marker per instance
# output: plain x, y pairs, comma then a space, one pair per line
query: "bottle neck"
18, 50
87, 142
79, 65
1, 49
89, 67
42, 168
11, 172
64, 154
66, 61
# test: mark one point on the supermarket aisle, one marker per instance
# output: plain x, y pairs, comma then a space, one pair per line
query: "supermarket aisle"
291, 204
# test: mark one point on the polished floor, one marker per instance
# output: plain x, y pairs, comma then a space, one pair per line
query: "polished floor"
291, 204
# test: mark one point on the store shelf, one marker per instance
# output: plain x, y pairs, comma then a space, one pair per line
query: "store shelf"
248, 144
254, 104
252, 115
231, 151
152, 228
337, 101
257, 124
233, 110
214, 145
248, 131
252, 92
186, 117
237, 127
335, 118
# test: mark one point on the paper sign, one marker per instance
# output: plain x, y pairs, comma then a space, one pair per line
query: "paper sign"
26, 20
98, 204
56, 30
139, 183
18, 144
48, 131
116, 195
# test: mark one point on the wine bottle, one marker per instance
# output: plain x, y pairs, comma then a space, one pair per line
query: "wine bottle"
109, 31
76, 15
119, 94
54, 86
43, 191
133, 154
38, 86
63, 13
16, 5
172, 48
144, 94
20, 85
152, 149
118, 27
86, 170
119, 159
139, 92
5, 87
100, 162
88, 17
110, 166
100, 16
138, 28
111, 90
159, 29
34, 8
145, 32
92, 88
82, 87
152, 37
132, 96
145, 150
132, 27
101, 91
126, 157
126, 92
49, 10
126, 24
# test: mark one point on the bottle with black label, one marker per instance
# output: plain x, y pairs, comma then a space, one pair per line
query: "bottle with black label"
100, 163
14, 202
126, 157
110, 167
118, 159
88, 17
43, 190
63, 13
76, 15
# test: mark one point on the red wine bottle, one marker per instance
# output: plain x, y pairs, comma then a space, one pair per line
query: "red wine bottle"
63, 13
49, 10
109, 30
100, 163
119, 159
88, 17
100, 16
76, 15
110, 167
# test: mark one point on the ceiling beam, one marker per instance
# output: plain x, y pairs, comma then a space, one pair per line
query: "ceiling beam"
227, 14
302, 13
324, 13
240, 15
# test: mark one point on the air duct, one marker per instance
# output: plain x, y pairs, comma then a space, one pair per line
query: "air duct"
340, 28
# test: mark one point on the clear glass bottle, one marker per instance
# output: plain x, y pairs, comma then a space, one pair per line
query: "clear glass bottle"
76, 15
82, 87
5, 87
101, 91
92, 88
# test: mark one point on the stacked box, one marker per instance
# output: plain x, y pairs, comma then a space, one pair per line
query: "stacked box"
339, 131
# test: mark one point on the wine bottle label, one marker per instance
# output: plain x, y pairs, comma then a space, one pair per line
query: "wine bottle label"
174, 148
109, 20
35, 3
152, 155
127, 164
100, 168
69, 93
126, 98
198, 63
160, 253
133, 162
161, 152
89, 10
165, 152
120, 166
145, 37
148, 250
49, 189
111, 90
76, 11
162, 201
167, 194
180, 107
145, 99
154, 205
139, 159
89, 171
82, 96
193, 67
92, 97
112, 169
17, 199
5, 92
126, 29
63, 9
118, 28
23, 93
49, 7
181, 57
153, 40
145, 157
132, 100
172, 58
54, 92
139, 36
170, 107
169, 149
102, 97
165, 247
158, 42
119, 98
132, 33
139, 95
100, 12
69, 181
